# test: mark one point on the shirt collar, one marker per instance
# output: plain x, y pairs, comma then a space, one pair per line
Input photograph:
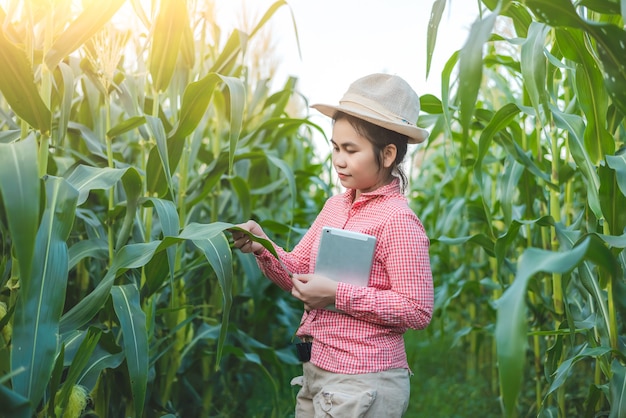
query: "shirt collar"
388, 189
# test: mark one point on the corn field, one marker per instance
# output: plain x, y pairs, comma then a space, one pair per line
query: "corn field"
126, 152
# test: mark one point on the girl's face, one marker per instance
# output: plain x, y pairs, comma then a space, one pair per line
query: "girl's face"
355, 162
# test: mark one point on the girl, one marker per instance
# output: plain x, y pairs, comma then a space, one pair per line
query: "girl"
358, 365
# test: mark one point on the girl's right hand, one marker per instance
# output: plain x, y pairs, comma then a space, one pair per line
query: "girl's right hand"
243, 241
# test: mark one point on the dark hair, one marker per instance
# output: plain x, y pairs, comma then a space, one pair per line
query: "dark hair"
380, 137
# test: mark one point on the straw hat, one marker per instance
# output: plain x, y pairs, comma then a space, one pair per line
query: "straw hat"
384, 100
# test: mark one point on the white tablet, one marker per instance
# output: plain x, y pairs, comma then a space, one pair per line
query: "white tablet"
345, 256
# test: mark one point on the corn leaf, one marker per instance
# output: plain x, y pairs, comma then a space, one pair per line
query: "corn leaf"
79, 362
611, 42
13, 404
433, 26
133, 187
129, 256
87, 24
19, 187
593, 97
575, 126
617, 388
86, 178
534, 65
196, 99
471, 68
618, 163
565, 368
166, 36
170, 225
135, 340
42, 295
65, 91
126, 126
612, 200
17, 84
511, 324
135, 256
217, 252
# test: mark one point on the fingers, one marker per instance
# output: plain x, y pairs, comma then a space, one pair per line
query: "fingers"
243, 242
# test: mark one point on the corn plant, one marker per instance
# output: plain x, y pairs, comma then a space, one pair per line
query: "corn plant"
527, 217
124, 156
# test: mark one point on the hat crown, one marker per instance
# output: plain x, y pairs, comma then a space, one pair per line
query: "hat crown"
388, 95
383, 100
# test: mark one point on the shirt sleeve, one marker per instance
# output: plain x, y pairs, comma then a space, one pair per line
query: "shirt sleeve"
297, 261
408, 300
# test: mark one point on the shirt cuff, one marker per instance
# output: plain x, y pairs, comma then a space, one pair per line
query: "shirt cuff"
343, 296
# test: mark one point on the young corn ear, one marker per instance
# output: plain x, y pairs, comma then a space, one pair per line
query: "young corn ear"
7, 329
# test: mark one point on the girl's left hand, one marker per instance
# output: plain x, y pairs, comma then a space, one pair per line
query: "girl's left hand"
314, 290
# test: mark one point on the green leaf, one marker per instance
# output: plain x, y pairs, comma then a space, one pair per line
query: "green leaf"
133, 322
97, 248
511, 324
241, 188
618, 163
591, 92
508, 187
471, 68
575, 126
555, 12
14, 405
66, 93
19, 187
79, 362
534, 65
196, 99
500, 120
126, 126
433, 26
170, 225
288, 172
133, 188
42, 295
479, 239
617, 388
99, 360
612, 201
217, 251
85, 179
158, 133
135, 256
610, 41
17, 84
166, 36
565, 368
88, 23
129, 256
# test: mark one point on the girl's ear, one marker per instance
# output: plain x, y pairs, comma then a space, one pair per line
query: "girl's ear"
389, 155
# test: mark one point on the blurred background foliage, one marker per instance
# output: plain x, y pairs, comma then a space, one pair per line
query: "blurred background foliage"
125, 155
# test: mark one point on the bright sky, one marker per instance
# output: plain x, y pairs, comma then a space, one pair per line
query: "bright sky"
342, 40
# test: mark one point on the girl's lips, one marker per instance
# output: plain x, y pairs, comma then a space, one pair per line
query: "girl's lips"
342, 176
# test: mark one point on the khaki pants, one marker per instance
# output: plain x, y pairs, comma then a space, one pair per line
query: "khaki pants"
371, 395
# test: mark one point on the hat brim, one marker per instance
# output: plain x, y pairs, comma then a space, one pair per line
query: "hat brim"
415, 134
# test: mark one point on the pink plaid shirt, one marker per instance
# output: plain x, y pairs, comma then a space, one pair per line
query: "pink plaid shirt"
368, 336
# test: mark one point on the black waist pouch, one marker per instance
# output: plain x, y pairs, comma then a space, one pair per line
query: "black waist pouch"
303, 350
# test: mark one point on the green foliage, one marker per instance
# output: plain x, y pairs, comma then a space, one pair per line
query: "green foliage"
124, 161
519, 190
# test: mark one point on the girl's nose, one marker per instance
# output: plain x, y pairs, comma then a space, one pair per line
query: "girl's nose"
338, 160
